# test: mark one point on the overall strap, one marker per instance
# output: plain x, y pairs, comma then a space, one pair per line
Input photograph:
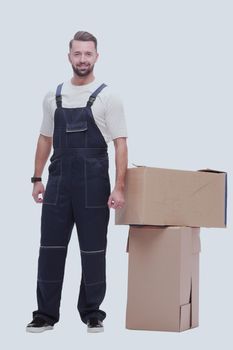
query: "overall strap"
58, 95
94, 94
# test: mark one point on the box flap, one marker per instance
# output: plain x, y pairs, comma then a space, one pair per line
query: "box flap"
138, 165
212, 171
194, 296
226, 201
219, 172
127, 245
185, 317
196, 242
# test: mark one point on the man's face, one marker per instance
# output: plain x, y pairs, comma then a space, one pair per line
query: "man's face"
82, 57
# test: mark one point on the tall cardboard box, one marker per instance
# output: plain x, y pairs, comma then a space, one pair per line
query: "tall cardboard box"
157, 196
163, 278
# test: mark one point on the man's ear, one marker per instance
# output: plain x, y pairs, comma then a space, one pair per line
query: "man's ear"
69, 57
97, 56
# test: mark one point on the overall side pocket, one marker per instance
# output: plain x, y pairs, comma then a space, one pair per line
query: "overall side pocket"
52, 186
97, 183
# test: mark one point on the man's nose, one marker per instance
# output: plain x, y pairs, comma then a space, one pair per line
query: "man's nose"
83, 58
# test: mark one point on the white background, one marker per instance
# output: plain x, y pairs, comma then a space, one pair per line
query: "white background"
171, 62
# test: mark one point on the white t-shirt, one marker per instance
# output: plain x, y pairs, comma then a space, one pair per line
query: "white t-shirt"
107, 109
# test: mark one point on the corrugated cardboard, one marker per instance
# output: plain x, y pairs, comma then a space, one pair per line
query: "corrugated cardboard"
156, 196
163, 278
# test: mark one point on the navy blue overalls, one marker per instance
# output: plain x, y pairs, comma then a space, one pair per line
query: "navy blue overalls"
77, 191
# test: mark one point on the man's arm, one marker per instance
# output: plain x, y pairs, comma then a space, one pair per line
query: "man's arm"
44, 145
116, 199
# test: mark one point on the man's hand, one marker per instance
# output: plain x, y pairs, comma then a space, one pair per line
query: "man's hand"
116, 199
38, 188
43, 149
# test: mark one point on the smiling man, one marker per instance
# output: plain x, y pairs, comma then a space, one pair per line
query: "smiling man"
81, 116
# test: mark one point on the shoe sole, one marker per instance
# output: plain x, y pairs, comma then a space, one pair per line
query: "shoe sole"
95, 330
38, 330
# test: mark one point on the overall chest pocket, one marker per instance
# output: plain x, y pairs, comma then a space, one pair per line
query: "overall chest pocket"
53, 183
76, 132
97, 182
76, 126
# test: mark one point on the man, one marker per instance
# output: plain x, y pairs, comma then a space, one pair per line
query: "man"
80, 118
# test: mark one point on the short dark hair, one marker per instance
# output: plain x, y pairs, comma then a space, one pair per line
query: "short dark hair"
83, 36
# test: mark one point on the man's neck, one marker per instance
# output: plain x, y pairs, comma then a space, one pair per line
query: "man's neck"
82, 81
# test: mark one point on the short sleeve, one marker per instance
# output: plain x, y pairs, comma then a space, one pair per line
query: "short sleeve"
47, 124
115, 117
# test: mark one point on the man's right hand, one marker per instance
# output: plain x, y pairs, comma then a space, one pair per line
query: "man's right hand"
38, 188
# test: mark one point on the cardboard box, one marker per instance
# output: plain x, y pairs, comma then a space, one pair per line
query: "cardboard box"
163, 278
156, 196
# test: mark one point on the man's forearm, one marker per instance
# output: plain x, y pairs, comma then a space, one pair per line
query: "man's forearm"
43, 149
121, 161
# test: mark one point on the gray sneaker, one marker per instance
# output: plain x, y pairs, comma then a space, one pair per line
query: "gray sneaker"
38, 325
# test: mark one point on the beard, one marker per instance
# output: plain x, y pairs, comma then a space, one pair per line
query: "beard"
83, 71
